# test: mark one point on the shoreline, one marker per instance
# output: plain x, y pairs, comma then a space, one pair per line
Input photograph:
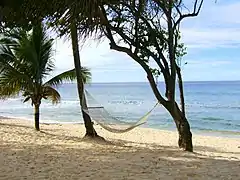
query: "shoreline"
211, 133
60, 152
100, 130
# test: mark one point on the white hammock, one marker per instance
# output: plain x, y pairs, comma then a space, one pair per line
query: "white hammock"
99, 114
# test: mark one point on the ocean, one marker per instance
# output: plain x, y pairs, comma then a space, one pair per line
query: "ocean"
211, 107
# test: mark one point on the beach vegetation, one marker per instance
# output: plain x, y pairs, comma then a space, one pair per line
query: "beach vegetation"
149, 31
146, 30
61, 16
27, 65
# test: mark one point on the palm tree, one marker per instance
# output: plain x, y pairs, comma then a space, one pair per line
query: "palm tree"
26, 62
67, 24
83, 11
65, 17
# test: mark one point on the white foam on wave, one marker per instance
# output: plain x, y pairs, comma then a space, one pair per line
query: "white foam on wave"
14, 99
44, 121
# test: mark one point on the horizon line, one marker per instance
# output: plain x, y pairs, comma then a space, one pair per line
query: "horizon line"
109, 82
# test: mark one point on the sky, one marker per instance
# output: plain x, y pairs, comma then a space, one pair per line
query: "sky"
213, 49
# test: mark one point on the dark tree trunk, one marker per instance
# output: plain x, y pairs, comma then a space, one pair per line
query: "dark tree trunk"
185, 135
180, 85
183, 127
36, 117
90, 131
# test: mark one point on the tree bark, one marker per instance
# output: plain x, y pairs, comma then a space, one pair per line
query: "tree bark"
36, 117
90, 131
180, 85
183, 127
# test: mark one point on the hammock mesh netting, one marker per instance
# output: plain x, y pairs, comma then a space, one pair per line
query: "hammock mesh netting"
101, 116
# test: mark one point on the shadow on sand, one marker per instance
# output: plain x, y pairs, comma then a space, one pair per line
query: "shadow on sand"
107, 160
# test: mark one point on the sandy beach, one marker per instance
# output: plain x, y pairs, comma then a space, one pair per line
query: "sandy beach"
58, 152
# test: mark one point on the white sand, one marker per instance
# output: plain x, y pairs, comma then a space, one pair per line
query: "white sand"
59, 153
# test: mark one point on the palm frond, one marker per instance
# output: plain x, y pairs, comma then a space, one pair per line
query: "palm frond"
11, 37
16, 50
65, 76
7, 41
12, 81
86, 75
70, 76
16, 33
50, 93
10, 66
6, 55
7, 91
25, 60
13, 75
26, 54
43, 46
88, 16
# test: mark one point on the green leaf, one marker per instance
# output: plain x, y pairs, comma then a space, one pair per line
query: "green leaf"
50, 93
70, 76
25, 61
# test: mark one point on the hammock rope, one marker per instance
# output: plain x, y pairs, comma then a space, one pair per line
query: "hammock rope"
112, 124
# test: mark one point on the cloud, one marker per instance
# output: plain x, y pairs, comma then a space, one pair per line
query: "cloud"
226, 12
90, 55
222, 13
210, 62
95, 56
217, 26
211, 38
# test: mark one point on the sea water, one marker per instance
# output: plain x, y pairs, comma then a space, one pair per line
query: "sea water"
210, 106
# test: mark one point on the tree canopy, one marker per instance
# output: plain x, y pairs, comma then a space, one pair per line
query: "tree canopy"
146, 30
26, 62
149, 30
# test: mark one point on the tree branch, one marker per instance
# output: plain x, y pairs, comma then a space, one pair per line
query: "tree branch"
193, 14
109, 33
172, 80
161, 4
155, 40
165, 68
145, 67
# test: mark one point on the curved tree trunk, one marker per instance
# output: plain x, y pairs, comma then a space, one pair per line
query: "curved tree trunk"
36, 116
185, 135
183, 127
90, 131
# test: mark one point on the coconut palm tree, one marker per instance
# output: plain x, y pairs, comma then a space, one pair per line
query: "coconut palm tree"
26, 61
87, 13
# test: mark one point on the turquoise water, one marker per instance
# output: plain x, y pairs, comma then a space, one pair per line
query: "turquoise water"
210, 106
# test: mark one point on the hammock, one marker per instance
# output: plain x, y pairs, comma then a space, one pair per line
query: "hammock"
112, 124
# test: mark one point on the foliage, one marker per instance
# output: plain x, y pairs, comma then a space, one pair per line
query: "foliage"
148, 30
144, 29
26, 61
26, 13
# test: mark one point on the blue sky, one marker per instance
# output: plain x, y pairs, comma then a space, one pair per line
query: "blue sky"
212, 40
